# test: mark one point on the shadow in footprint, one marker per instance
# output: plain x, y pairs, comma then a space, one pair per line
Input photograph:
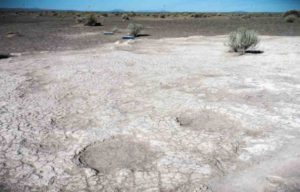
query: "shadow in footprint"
143, 35
5, 55
254, 51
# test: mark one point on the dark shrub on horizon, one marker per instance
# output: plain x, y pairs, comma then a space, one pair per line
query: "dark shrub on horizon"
292, 12
290, 18
162, 16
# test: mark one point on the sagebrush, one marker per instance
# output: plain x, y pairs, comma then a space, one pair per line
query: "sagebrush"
125, 17
135, 29
292, 12
92, 21
290, 18
242, 39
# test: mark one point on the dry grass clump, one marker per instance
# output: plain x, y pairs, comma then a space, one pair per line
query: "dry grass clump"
92, 21
162, 16
125, 17
135, 29
115, 29
292, 12
104, 15
242, 39
198, 15
246, 16
80, 19
290, 18
132, 14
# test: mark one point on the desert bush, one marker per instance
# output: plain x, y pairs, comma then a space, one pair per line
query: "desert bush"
92, 21
115, 29
80, 19
292, 12
162, 16
196, 15
247, 16
290, 18
125, 17
242, 39
135, 29
132, 14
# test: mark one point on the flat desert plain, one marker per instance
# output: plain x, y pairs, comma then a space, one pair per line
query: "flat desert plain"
166, 114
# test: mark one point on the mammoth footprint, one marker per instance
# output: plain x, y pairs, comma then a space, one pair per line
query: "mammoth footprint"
118, 153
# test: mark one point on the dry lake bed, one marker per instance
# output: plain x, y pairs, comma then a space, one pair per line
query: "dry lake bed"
166, 114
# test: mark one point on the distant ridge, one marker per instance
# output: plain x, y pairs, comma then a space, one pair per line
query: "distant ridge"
126, 11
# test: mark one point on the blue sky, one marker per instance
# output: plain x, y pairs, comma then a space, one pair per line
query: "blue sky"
157, 5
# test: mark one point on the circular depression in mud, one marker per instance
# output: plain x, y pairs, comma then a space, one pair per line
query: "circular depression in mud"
118, 153
207, 120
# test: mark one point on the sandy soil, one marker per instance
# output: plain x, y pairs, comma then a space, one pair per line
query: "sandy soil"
52, 33
152, 115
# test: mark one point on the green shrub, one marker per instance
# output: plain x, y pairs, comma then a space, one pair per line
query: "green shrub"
290, 18
242, 39
135, 29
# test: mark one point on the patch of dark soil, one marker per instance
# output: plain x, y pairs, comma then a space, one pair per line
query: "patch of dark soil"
48, 33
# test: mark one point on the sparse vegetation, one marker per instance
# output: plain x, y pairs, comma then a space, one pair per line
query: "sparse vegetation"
292, 12
125, 17
132, 14
162, 16
80, 19
135, 29
198, 15
115, 29
246, 16
92, 21
290, 18
13, 34
242, 39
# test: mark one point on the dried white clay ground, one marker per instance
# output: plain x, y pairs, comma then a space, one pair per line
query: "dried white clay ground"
152, 115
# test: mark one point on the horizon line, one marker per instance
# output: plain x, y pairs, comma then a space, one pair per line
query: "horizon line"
135, 11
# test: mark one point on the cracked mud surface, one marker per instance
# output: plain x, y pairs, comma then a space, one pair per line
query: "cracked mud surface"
152, 115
